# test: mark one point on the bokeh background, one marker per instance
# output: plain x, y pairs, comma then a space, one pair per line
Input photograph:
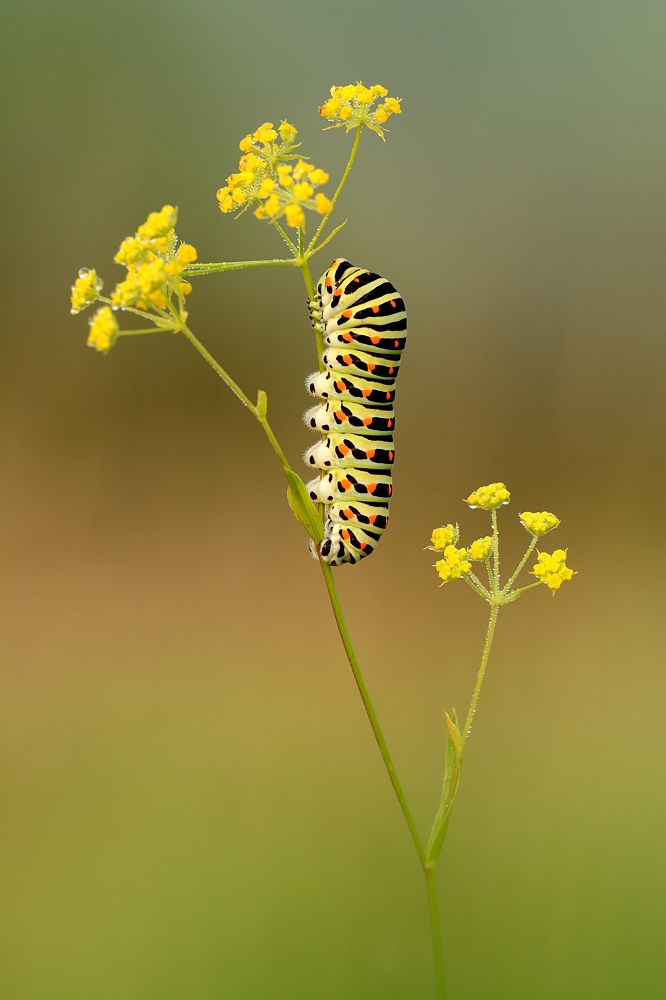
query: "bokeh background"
193, 803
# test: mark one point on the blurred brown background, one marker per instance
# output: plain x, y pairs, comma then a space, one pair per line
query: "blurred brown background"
194, 806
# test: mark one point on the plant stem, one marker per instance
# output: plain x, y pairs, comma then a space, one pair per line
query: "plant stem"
435, 931
482, 669
367, 703
507, 586
192, 270
343, 181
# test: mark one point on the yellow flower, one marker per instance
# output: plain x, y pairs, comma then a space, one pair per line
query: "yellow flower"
552, 569
442, 537
324, 204
265, 133
245, 145
144, 286
318, 177
538, 524
294, 215
351, 107
103, 330
286, 129
187, 253
303, 191
481, 548
267, 186
186, 287
489, 497
272, 206
158, 223
454, 564
85, 289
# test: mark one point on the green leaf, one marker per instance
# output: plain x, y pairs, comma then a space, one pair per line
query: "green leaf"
262, 405
303, 507
453, 761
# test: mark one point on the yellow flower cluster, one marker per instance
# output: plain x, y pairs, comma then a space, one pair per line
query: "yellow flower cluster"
266, 177
103, 330
480, 549
538, 524
552, 569
454, 564
441, 537
489, 497
352, 106
85, 289
154, 265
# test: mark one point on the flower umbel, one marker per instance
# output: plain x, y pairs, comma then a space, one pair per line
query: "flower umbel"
454, 564
352, 106
441, 537
153, 263
552, 569
267, 178
489, 497
480, 549
103, 330
85, 289
539, 524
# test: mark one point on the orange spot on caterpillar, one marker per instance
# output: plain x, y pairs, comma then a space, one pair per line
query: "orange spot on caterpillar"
366, 392
367, 421
364, 545
356, 281
340, 386
346, 485
340, 415
370, 453
371, 487
390, 456
388, 395
393, 303
396, 343
372, 518
337, 293
347, 313
389, 423
371, 368
343, 450
390, 491
375, 309
349, 514
345, 534
348, 338
375, 339
391, 370
347, 359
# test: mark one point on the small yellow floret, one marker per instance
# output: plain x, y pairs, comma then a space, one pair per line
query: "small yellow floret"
552, 569
103, 330
267, 186
480, 549
303, 191
392, 104
286, 130
489, 497
294, 215
272, 206
318, 177
186, 287
158, 223
444, 536
324, 204
85, 289
187, 253
538, 524
245, 145
265, 133
454, 564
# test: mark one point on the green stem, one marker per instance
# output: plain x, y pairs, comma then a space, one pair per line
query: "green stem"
496, 561
507, 586
436, 933
367, 704
148, 329
482, 669
193, 270
343, 181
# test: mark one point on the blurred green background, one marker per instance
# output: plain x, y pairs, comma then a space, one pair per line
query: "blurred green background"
193, 803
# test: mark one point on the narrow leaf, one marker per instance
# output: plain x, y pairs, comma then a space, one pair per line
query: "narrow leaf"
303, 507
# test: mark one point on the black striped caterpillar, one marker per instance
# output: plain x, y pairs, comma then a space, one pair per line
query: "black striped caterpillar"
363, 322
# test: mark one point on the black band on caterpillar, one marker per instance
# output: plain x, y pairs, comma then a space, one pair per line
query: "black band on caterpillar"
363, 322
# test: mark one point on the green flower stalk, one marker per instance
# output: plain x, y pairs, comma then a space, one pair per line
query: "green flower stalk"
279, 184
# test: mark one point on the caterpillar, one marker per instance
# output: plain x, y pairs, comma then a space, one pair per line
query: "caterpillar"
363, 323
